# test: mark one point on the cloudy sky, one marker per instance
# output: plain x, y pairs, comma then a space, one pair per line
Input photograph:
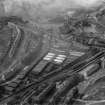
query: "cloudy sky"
45, 8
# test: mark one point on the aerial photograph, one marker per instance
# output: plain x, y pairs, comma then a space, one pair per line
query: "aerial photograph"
52, 52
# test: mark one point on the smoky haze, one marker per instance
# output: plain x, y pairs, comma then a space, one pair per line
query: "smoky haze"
42, 9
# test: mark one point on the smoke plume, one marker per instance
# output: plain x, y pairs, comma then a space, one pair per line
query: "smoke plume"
38, 9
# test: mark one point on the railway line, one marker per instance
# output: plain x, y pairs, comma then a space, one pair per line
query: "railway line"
61, 76
61, 73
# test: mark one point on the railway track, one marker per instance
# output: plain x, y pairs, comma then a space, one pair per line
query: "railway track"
62, 73
68, 74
